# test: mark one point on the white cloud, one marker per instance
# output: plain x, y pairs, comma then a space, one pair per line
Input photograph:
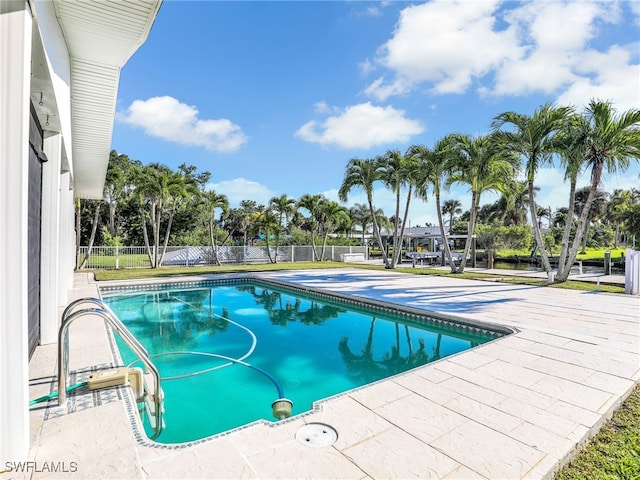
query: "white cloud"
240, 189
511, 48
554, 36
173, 121
445, 43
635, 8
374, 9
605, 83
366, 66
323, 108
360, 126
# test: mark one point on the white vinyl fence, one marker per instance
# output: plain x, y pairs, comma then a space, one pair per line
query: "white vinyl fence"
136, 257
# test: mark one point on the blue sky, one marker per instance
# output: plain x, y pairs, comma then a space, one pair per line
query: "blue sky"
276, 97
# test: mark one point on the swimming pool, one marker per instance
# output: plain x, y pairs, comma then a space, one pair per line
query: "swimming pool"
309, 344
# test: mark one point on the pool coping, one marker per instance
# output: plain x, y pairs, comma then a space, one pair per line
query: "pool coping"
593, 336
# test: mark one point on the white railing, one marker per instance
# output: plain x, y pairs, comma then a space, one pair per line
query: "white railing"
136, 257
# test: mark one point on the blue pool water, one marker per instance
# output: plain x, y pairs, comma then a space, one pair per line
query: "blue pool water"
312, 346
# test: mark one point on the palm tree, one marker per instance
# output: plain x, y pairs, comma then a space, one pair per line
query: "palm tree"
236, 220
596, 211
283, 208
511, 207
266, 221
433, 172
311, 203
572, 158
249, 212
609, 143
452, 207
543, 212
533, 140
360, 216
116, 186
214, 201
621, 203
484, 166
560, 217
396, 174
329, 215
158, 191
97, 204
363, 174
180, 190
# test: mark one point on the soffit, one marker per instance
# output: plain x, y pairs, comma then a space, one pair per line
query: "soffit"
101, 36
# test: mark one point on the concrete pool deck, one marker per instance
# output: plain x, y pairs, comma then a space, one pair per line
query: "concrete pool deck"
514, 408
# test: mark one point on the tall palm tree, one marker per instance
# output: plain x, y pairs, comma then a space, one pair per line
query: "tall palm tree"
571, 155
329, 215
117, 186
363, 174
361, 216
396, 171
181, 190
483, 166
433, 169
311, 203
249, 213
610, 141
213, 202
283, 208
266, 221
158, 191
452, 207
532, 138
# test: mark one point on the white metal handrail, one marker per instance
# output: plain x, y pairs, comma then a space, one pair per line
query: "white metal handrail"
103, 311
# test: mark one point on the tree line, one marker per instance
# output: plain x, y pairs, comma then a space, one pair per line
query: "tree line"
155, 206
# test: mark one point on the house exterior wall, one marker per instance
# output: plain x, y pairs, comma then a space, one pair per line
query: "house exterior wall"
37, 68
15, 65
20, 37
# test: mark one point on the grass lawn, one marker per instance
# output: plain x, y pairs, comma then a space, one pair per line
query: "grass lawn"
590, 254
103, 275
613, 454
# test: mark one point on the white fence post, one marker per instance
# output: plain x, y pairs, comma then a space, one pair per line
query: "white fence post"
117, 258
632, 272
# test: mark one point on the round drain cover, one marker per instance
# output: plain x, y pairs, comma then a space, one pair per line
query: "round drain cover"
317, 435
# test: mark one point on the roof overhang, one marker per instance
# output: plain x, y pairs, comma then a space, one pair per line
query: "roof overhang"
100, 36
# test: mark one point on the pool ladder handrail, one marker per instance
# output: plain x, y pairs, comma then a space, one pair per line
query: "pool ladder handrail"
69, 315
